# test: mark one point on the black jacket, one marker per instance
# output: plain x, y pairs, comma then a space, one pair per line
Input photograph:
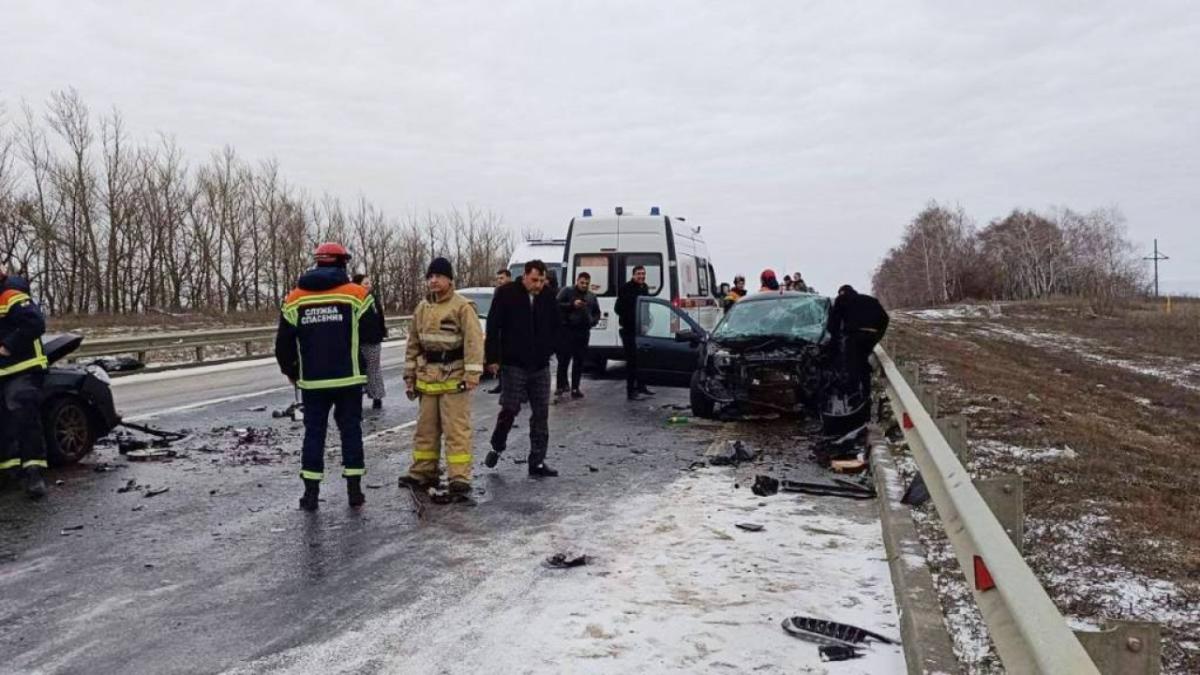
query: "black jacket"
578, 318
855, 311
627, 301
520, 333
373, 329
21, 328
320, 328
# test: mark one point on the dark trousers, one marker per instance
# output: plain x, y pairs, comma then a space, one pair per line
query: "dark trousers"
522, 385
346, 403
22, 444
859, 347
629, 342
572, 351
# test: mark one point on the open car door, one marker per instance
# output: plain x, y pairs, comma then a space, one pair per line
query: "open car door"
668, 343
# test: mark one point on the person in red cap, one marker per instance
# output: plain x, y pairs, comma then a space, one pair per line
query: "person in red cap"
317, 348
769, 283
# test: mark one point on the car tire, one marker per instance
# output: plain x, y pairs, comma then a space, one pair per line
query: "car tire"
702, 406
68, 429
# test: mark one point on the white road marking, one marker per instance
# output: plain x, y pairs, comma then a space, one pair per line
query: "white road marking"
203, 404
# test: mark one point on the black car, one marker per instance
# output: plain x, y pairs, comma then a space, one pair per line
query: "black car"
771, 351
77, 403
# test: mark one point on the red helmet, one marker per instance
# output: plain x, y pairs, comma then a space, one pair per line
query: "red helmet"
768, 274
331, 250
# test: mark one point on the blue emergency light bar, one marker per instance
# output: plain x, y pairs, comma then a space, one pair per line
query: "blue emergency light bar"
654, 211
587, 213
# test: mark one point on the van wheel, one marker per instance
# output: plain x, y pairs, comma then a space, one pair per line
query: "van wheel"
68, 431
702, 406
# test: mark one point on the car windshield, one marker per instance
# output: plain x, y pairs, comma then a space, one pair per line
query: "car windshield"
795, 317
483, 302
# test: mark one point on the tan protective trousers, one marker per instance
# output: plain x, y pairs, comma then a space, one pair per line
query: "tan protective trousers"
443, 417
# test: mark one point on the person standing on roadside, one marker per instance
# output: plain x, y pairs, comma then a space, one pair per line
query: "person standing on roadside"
317, 348
22, 372
626, 309
739, 288
503, 276
769, 283
580, 312
857, 323
522, 333
374, 332
443, 365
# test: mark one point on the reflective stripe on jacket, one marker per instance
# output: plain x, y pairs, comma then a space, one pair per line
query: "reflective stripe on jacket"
321, 329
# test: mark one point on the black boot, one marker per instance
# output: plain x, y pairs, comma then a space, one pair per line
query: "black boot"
459, 489
493, 456
354, 491
312, 493
541, 470
35, 485
377, 404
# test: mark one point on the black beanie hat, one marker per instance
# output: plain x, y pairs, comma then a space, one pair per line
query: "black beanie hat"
440, 266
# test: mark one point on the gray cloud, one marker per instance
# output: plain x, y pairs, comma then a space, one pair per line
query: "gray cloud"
800, 135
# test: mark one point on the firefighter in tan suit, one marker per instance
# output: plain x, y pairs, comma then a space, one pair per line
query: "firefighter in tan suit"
443, 365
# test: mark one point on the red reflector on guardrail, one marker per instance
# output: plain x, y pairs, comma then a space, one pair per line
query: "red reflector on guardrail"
907, 421
983, 578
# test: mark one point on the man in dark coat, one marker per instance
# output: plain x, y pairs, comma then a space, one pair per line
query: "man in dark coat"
857, 323
626, 309
522, 334
580, 313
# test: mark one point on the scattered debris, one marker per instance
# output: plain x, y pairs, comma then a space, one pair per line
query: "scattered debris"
151, 454
593, 469
374, 486
848, 465
104, 467
840, 488
676, 406
257, 408
154, 492
839, 653
139, 507
917, 492
68, 530
764, 486
830, 633
566, 560
733, 452
677, 420
60, 482
115, 364
129, 486
749, 527
277, 530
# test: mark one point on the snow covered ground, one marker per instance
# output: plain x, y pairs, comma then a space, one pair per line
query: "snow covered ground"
673, 586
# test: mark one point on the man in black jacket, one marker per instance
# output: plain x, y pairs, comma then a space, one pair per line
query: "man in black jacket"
522, 332
857, 323
626, 308
22, 372
580, 313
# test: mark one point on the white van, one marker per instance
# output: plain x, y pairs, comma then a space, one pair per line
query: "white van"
549, 251
672, 251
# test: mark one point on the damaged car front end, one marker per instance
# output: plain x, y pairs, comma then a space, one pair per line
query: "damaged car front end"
772, 352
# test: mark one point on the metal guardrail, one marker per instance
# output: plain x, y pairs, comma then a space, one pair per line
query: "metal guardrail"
140, 345
1030, 634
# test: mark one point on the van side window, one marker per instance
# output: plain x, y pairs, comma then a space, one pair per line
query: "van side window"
702, 274
600, 267
654, 269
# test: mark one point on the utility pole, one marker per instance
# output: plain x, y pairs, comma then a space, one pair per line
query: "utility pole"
1156, 257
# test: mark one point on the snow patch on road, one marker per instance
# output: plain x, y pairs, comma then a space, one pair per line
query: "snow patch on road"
673, 586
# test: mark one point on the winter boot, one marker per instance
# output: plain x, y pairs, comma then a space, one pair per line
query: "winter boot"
493, 456
354, 491
460, 489
35, 485
414, 483
312, 493
541, 470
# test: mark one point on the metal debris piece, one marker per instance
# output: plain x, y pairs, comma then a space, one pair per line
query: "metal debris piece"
566, 560
839, 653
154, 492
749, 527
764, 486
828, 633
130, 486
151, 454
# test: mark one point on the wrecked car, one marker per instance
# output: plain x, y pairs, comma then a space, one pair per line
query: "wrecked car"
772, 351
77, 403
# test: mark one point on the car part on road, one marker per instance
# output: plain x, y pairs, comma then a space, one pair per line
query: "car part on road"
566, 560
151, 454
842, 488
827, 633
115, 364
733, 452
749, 527
154, 492
831, 653
764, 486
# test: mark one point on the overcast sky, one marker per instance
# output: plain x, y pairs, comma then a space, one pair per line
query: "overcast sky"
799, 135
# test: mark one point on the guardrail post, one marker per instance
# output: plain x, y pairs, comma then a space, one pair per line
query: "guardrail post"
911, 373
954, 429
1125, 647
249, 348
928, 398
141, 356
199, 353
1005, 496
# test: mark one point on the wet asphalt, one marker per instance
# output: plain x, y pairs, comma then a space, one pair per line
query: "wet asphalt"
223, 569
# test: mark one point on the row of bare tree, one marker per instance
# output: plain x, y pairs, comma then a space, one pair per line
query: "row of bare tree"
102, 224
943, 257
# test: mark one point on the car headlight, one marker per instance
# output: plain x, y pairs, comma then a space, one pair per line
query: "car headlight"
722, 358
100, 374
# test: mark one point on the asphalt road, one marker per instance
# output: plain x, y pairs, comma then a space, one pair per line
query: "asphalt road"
223, 572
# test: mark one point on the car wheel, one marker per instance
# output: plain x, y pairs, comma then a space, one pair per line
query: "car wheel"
702, 406
68, 429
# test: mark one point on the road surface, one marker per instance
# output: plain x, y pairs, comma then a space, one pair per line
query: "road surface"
223, 573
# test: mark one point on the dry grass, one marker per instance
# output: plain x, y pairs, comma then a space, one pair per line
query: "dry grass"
1135, 437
